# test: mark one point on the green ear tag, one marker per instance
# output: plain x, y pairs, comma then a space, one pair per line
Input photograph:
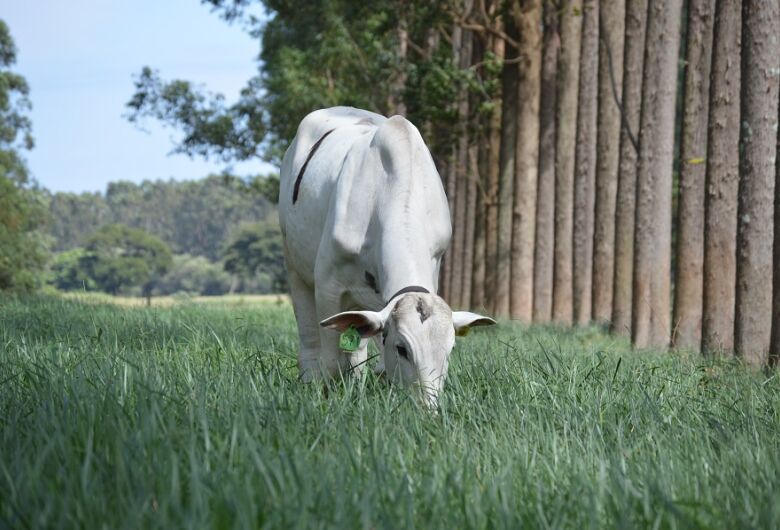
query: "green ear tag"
350, 339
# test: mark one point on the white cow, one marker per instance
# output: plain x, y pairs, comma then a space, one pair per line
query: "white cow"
365, 222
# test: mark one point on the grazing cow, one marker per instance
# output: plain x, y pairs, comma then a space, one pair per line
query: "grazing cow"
365, 222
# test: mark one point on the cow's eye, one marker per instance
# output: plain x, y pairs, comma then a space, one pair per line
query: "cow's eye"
402, 352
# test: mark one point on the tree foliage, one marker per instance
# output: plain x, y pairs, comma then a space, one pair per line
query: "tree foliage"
192, 217
316, 54
209, 127
118, 256
22, 246
257, 248
194, 275
66, 272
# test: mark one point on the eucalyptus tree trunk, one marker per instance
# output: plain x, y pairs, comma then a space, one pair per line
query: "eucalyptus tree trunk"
585, 165
493, 172
545, 193
758, 141
473, 175
653, 230
688, 295
529, 25
722, 181
479, 159
397, 104
774, 347
445, 274
565, 136
461, 45
507, 174
625, 209
611, 32
478, 262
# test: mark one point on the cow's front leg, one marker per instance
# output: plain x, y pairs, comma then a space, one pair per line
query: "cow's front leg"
335, 362
305, 308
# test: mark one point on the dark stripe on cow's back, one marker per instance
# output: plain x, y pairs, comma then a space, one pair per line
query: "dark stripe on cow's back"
306, 163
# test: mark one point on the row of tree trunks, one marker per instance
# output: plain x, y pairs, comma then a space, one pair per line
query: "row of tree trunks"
528, 19
612, 29
545, 194
565, 144
758, 153
653, 230
562, 194
693, 155
720, 224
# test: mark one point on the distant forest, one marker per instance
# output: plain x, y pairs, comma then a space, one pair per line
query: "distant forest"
210, 236
194, 217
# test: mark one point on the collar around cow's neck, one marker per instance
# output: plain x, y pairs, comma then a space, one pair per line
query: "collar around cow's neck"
408, 289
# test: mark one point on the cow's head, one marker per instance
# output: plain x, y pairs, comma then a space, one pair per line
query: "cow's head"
418, 331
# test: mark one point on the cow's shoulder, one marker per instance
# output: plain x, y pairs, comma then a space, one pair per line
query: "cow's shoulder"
401, 148
320, 122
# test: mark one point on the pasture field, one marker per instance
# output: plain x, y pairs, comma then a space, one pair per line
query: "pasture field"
191, 416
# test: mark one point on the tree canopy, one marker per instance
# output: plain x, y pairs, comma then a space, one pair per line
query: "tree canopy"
258, 248
22, 246
193, 217
118, 256
314, 54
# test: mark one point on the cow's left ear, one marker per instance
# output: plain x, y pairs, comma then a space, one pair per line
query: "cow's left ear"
367, 323
463, 321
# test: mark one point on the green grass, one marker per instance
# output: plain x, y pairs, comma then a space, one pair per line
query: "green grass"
191, 416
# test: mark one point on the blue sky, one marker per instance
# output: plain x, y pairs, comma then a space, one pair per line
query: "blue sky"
80, 57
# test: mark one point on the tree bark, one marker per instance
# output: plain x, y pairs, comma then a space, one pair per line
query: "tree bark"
758, 141
545, 194
585, 170
507, 175
529, 25
774, 347
611, 32
445, 276
397, 104
688, 291
625, 209
478, 264
653, 230
720, 223
495, 138
461, 46
565, 131
479, 154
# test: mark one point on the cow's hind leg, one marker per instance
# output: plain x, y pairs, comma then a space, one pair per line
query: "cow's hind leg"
308, 327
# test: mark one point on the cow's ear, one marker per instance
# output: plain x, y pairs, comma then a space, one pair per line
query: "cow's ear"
463, 321
367, 323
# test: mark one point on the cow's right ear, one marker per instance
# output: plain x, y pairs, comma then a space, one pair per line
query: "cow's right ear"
367, 323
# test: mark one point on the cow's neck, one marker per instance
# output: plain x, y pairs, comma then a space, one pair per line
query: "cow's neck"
404, 261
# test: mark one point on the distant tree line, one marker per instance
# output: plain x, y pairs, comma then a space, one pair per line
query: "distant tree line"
193, 217
209, 236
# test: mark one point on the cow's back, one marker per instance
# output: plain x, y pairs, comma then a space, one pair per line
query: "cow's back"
309, 172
